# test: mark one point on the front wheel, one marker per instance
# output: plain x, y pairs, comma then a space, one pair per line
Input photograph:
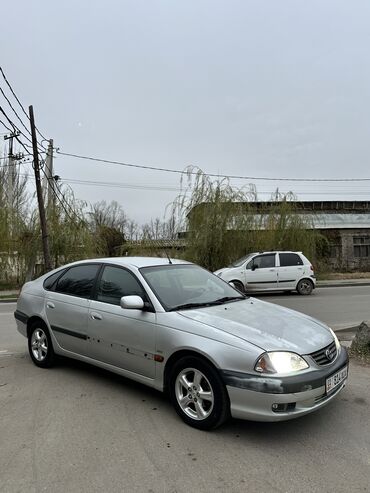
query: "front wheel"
40, 346
198, 393
239, 286
304, 286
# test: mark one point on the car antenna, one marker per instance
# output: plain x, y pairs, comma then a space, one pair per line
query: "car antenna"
169, 260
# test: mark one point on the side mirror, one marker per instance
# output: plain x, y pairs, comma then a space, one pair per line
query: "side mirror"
132, 302
254, 267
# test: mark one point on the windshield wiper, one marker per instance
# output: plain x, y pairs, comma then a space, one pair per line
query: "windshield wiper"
228, 298
220, 301
189, 305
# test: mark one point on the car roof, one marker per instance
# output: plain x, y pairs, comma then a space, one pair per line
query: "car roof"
133, 261
275, 251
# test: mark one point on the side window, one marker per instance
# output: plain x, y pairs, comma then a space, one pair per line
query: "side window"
264, 261
287, 259
115, 283
78, 281
50, 281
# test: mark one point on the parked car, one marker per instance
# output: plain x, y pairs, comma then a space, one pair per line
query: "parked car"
176, 327
271, 271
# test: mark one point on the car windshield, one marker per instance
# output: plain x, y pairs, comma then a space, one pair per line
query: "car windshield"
179, 286
241, 260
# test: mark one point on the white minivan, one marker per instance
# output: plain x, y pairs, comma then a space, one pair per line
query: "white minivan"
271, 271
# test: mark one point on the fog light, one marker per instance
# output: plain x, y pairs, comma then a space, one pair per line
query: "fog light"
283, 408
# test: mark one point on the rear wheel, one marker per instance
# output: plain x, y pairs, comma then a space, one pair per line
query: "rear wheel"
40, 346
305, 286
198, 393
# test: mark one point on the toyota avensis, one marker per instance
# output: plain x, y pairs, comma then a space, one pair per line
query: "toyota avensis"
176, 327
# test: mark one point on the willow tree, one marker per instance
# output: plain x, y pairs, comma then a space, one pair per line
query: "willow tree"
14, 202
219, 226
223, 222
70, 237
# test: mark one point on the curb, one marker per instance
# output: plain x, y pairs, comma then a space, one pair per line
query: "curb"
9, 300
339, 284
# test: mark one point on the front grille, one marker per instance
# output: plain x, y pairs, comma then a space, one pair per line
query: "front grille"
325, 355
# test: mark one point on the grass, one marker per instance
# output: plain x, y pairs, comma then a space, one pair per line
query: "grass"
343, 275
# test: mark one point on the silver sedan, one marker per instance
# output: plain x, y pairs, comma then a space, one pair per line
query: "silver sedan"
176, 327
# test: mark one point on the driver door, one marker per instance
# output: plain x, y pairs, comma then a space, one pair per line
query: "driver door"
261, 273
121, 337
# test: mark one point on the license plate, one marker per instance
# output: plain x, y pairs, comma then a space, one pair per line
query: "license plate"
336, 379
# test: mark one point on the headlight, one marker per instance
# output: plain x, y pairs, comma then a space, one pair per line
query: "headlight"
337, 343
280, 362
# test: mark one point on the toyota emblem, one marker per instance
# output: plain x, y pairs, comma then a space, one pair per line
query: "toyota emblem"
329, 355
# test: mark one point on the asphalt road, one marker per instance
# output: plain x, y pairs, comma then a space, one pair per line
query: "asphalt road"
76, 428
339, 307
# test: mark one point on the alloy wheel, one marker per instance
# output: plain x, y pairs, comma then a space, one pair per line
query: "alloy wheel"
194, 394
39, 344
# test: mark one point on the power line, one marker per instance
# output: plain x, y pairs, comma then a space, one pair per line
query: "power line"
18, 101
14, 111
4, 125
213, 175
57, 197
13, 125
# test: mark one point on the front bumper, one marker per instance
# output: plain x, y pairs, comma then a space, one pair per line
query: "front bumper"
252, 396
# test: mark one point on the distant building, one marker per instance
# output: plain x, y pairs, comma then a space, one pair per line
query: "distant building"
346, 224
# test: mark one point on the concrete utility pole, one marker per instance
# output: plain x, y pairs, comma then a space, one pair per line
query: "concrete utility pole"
48, 190
11, 164
40, 198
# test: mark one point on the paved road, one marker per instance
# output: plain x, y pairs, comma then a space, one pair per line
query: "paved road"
339, 307
79, 429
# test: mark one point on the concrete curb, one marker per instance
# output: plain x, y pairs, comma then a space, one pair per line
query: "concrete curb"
9, 300
341, 284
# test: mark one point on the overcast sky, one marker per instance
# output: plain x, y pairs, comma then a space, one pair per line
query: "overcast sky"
275, 88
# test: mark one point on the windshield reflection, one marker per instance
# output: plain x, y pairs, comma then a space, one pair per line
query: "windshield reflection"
181, 286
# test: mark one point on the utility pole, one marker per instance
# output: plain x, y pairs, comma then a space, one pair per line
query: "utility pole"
48, 190
11, 164
40, 198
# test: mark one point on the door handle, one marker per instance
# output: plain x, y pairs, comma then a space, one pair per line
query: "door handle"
96, 316
49, 304
272, 270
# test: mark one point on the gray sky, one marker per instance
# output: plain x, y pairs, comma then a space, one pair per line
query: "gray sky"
276, 88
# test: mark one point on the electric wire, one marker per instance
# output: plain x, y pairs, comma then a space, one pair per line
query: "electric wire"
14, 111
18, 101
212, 175
51, 183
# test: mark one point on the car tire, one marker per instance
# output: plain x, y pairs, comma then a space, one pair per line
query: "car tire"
239, 286
40, 346
190, 379
305, 287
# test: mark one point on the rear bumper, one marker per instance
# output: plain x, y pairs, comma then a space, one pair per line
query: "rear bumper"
21, 321
254, 397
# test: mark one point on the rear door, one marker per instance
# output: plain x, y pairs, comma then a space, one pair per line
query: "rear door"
290, 269
66, 307
121, 337
261, 273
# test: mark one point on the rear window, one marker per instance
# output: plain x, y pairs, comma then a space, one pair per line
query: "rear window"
78, 281
288, 259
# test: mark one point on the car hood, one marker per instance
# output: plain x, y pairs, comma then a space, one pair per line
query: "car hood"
265, 325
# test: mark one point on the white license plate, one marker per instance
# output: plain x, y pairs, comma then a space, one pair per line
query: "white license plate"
336, 379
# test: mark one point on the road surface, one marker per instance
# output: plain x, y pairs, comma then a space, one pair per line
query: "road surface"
79, 429
339, 307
